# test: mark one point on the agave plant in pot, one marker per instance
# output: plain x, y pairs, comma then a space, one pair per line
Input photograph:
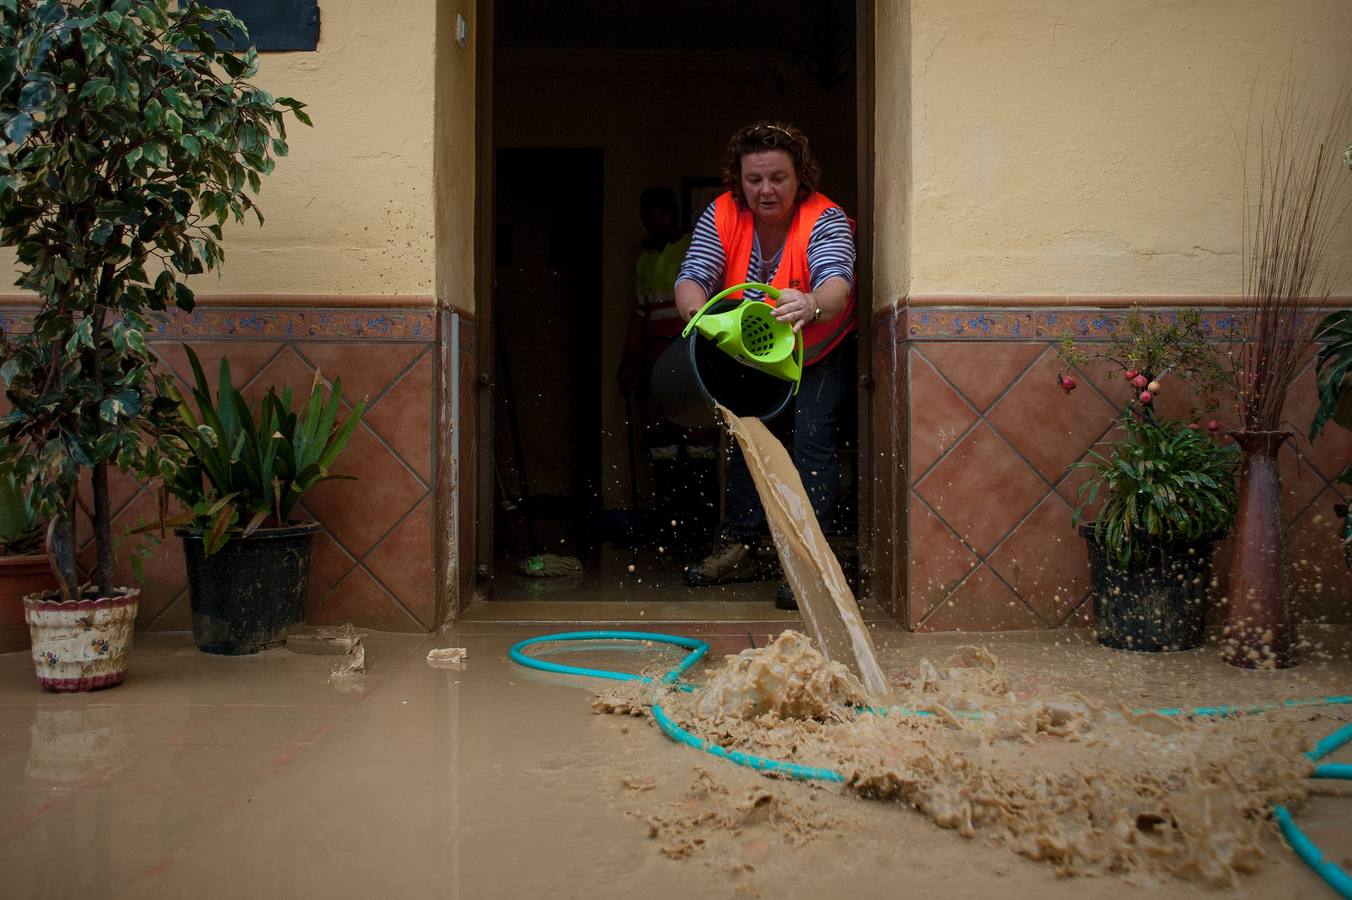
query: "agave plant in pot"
1160, 491
130, 137
249, 464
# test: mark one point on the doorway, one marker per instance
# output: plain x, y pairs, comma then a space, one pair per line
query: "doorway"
652, 95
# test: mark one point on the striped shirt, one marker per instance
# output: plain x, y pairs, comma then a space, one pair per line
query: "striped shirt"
830, 254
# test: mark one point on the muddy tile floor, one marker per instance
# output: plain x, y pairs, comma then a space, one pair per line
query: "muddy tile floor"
265, 776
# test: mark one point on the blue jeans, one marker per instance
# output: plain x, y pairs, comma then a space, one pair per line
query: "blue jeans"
815, 414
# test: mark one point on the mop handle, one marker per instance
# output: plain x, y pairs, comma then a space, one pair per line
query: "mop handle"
770, 291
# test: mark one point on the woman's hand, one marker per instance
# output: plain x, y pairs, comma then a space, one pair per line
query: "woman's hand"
796, 308
822, 304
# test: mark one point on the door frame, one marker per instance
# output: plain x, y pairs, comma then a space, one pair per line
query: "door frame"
485, 288
865, 98
485, 292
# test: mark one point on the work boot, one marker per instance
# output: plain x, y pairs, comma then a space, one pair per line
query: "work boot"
784, 598
730, 561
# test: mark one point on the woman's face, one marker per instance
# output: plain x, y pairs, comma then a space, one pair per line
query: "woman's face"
770, 185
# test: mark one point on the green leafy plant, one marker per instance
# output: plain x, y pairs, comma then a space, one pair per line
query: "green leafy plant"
1162, 482
20, 526
1148, 346
1333, 379
250, 464
131, 135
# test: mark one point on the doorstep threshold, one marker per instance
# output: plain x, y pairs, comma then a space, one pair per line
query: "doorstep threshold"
626, 612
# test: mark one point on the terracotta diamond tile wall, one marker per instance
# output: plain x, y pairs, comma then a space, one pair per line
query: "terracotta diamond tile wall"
372, 559
989, 442
991, 488
373, 562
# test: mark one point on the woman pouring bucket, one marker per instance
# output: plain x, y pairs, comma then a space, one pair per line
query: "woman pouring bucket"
772, 228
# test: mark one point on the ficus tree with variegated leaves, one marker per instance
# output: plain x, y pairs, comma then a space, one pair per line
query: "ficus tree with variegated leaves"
130, 135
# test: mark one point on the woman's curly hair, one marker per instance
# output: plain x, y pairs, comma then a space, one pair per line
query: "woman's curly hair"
765, 136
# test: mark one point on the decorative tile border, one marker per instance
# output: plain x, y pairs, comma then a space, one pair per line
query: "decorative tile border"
15, 321
983, 323
1098, 301
309, 324
379, 324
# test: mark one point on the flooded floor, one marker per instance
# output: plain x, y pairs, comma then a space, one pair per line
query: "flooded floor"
264, 777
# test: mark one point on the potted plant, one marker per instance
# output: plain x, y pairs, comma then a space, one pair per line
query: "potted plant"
248, 465
1160, 492
1168, 493
131, 136
1333, 378
24, 568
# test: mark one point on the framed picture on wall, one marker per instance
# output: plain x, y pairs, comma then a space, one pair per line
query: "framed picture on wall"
696, 194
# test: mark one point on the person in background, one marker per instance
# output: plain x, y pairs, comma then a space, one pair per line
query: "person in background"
773, 227
683, 462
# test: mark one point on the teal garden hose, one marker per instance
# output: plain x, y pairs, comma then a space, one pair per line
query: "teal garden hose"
1304, 848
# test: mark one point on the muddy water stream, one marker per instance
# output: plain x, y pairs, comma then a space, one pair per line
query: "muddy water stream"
812, 570
1088, 786
1065, 774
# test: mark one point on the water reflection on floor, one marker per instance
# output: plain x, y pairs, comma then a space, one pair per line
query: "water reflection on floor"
259, 776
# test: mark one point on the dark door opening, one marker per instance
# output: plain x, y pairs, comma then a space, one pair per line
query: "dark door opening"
547, 250
655, 91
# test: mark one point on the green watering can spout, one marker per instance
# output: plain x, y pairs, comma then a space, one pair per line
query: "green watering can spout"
751, 334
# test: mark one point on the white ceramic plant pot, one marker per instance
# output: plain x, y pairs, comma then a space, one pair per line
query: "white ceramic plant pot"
81, 645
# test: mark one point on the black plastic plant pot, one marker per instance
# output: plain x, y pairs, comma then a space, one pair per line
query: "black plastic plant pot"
1156, 603
248, 595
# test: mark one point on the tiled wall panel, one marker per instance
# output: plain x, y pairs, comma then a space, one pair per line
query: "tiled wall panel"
989, 441
373, 556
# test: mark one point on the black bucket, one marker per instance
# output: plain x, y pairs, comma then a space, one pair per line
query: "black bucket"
248, 595
693, 374
1157, 603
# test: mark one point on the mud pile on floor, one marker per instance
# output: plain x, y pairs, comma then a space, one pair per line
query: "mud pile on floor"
1089, 789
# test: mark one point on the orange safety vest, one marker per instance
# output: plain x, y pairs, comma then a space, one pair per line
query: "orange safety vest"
737, 230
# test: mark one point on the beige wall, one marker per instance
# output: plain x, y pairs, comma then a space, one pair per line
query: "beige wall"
350, 211
1073, 147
